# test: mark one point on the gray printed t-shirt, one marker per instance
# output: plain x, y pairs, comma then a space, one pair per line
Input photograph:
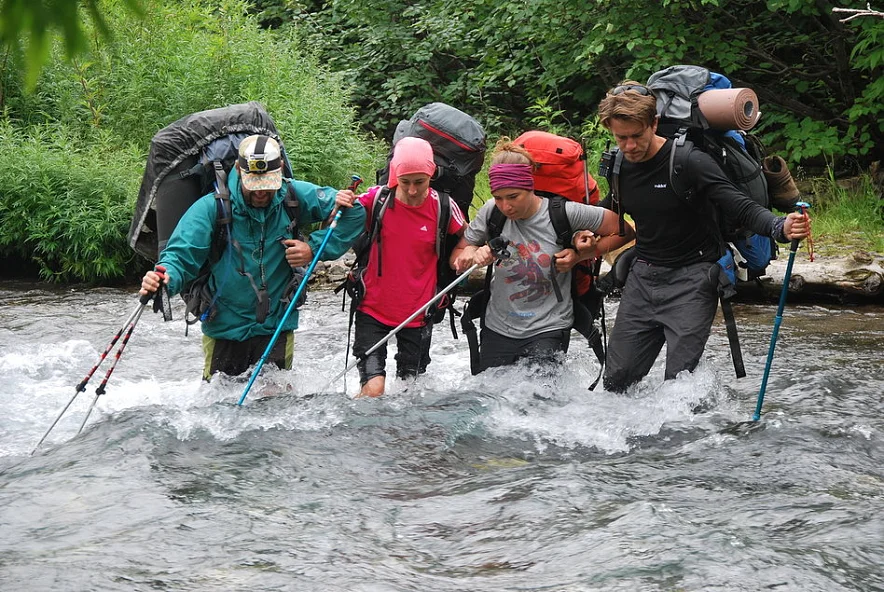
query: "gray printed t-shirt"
523, 302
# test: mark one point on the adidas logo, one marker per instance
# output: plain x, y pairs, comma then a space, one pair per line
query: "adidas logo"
660, 186
424, 228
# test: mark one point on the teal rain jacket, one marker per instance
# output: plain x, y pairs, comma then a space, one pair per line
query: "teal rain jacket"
258, 232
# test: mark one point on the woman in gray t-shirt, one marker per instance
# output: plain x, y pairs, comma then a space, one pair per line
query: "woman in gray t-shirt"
527, 315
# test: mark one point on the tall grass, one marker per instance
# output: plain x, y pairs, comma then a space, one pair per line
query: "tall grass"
847, 215
66, 202
85, 131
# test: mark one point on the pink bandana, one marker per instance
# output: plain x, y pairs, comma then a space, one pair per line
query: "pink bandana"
411, 155
511, 176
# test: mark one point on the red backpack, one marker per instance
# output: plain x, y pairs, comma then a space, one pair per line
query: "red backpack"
562, 169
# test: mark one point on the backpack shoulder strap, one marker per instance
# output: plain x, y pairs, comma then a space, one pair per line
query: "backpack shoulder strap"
559, 218
444, 246
678, 166
613, 176
495, 223
379, 207
292, 208
374, 220
224, 213
443, 219
562, 227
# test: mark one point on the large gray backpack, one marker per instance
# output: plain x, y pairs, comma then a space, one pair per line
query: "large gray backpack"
458, 143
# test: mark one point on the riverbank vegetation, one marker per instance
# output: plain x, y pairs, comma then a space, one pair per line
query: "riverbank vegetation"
72, 152
337, 77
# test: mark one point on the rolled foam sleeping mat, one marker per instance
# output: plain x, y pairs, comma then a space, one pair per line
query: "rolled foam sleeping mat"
730, 108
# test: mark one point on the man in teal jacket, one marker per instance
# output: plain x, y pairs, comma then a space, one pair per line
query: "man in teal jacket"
253, 274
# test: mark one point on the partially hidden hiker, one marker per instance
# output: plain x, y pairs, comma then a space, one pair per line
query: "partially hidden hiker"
527, 309
672, 290
251, 277
398, 263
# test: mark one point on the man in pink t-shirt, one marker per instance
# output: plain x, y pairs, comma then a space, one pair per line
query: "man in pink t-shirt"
401, 273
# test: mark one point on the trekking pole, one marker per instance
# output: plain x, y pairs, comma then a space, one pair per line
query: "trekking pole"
290, 308
130, 323
498, 249
356, 180
793, 248
101, 388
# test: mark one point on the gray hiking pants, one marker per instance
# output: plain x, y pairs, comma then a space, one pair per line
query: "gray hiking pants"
661, 305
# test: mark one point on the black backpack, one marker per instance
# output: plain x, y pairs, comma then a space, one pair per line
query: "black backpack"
458, 143
584, 318
740, 154
187, 160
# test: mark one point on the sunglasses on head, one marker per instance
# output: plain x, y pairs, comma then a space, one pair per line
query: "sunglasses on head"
640, 89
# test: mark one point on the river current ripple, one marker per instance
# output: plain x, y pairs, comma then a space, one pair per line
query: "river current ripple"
511, 480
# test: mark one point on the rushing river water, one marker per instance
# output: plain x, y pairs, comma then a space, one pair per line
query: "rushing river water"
450, 483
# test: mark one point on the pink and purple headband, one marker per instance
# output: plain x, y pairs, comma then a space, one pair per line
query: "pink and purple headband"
511, 176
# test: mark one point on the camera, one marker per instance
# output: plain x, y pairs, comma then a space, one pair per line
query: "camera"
257, 164
607, 161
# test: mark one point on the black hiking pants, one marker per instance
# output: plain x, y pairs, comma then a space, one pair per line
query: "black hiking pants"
412, 348
235, 357
542, 349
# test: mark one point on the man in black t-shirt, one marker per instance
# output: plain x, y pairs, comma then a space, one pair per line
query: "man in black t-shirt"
671, 293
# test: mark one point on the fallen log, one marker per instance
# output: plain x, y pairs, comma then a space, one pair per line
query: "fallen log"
857, 278
854, 279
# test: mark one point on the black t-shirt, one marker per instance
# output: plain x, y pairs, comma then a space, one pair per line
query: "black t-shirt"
672, 232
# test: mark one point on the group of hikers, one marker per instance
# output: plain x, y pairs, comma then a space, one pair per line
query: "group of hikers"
670, 294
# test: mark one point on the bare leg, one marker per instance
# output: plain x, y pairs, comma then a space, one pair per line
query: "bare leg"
373, 388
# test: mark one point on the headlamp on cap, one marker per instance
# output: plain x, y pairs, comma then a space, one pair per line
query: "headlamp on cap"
258, 164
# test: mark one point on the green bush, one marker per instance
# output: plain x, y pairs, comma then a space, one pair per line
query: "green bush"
182, 57
819, 81
105, 106
66, 202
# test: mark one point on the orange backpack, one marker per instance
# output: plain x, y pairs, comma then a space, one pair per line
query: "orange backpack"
562, 168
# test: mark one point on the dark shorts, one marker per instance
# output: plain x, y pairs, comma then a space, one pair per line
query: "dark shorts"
235, 357
660, 305
412, 348
543, 349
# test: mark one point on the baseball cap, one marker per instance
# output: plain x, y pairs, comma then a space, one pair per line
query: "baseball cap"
260, 163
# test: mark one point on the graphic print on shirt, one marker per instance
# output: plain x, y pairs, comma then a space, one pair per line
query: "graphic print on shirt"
529, 271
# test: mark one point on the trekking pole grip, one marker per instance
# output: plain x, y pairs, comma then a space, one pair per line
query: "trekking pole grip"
160, 271
802, 207
355, 181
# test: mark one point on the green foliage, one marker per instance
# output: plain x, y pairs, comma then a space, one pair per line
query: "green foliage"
62, 206
182, 57
848, 213
544, 116
501, 60
30, 23
106, 105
